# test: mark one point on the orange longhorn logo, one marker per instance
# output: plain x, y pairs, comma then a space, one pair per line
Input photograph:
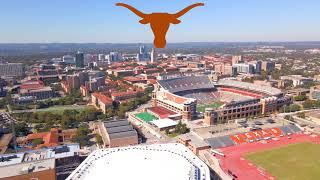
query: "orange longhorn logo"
160, 22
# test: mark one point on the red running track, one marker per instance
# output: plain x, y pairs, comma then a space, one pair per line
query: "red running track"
243, 169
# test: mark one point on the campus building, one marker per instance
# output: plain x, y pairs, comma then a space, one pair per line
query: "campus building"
101, 101
50, 163
54, 137
11, 69
36, 89
117, 133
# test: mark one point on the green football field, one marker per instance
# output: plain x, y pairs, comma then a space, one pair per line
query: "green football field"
146, 117
202, 107
293, 162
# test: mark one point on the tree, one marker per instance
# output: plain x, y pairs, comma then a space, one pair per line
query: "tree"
99, 139
21, 129
264, 75
300, 98
309, 104
181, 128
301, 115
82, 135
291, 108
39, 128
288, 117
109, 113
37, 142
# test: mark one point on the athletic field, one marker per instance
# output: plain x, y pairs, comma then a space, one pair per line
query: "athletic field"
202, 107
292, 162
146, 117
60, 109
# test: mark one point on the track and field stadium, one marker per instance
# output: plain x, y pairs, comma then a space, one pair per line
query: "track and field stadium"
291, 156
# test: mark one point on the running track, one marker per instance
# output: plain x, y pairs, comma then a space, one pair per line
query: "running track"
245, 170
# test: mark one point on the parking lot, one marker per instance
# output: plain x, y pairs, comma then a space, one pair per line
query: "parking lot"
239, 126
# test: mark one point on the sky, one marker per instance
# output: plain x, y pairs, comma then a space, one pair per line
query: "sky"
100, 21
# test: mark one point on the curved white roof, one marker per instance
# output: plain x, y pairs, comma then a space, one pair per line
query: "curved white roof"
156, 162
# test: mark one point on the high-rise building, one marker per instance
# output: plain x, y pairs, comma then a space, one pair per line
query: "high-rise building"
11, 69
73, 81
80, 60
101, 57
153, 55
224, 69
268, 66
3, 83
114, 57
236, 59
67, 59
143, 54
83, 77
257, 65
244, 68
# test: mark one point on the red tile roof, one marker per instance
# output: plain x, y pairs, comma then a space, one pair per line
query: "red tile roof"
132, 79
36, 136
120, 94
103, 98
49, 138
31, 85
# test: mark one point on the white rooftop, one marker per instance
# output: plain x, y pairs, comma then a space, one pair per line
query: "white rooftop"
26, 167
164, 123
40, 154
156, 162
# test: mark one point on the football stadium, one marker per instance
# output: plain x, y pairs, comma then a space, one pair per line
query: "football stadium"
219, 101
157, 162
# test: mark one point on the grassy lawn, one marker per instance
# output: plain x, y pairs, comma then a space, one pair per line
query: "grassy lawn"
60, 109
201, 108
146, 117
172, 135
293, 162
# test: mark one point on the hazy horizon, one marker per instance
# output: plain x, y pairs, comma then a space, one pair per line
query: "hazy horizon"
95, 21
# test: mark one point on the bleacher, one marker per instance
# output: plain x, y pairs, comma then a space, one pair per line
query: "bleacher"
290, 129
186, 83
249, 86
201, 97
220, 142
225, 141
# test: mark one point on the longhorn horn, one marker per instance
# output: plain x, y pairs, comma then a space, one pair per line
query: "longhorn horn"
134, 10
185, 10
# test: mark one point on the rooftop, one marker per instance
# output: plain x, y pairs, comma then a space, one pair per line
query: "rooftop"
119, 129
37, 155
194, 140
164, 123
27, 167
156, 162
103, 98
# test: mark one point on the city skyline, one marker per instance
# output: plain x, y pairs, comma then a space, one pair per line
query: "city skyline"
102, 22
